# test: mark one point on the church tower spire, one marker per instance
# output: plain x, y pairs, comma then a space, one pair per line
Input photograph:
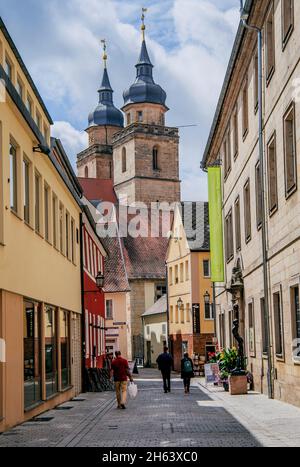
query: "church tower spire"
103, 123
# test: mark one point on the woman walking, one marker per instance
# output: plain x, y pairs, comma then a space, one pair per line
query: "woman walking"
187, 372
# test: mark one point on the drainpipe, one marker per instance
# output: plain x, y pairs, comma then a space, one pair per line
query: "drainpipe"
244, 18
83, 333
168, 327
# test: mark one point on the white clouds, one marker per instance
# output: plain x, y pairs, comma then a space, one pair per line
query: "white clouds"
74, 141
189, 42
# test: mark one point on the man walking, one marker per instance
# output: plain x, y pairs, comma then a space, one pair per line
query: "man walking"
165, 364
121, 372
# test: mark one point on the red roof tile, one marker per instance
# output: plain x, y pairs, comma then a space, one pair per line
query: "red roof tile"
98, 190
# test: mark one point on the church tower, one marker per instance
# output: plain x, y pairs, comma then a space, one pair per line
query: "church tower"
146, 151
104, 122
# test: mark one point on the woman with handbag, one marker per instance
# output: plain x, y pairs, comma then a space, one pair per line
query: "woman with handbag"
187, 372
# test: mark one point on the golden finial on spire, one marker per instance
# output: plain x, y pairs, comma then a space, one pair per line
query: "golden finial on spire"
143, 28
103, 42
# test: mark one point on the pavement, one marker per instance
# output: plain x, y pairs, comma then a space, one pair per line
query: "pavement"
208, 417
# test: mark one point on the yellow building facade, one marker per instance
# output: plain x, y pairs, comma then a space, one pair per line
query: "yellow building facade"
190, 311
40, 288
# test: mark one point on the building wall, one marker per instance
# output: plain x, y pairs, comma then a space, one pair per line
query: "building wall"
119, 335
282, 225
154, 336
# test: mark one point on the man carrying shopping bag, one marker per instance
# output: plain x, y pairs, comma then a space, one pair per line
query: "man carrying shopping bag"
121, 373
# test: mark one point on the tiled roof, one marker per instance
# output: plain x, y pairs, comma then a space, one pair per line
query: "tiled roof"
98, 190
115, 272
195, 218
158, 308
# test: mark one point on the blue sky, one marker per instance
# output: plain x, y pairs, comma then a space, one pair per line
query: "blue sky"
189, 42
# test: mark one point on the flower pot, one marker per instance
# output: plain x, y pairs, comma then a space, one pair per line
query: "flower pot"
238, 385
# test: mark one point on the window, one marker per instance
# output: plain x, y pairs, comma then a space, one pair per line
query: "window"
247, 211
227, 153
140, 117
187, 312
258, 195
124, 160
8, 68
46, 212
160, 291
264, 327
238, 237
187, 271
235, 127
109, 309
37, 203
182, 315
245, 110
272, 175
290, 151
38, 121
73, 241
287, 20
155, 158
229, 237
26, 181
255, 84
29, 105
61, 228
176, 315
181, 273
176, 275
251, 329
296, 318
65, 349
32, 353
206, 268
50, 351
270, 44
13, 179
171, 314
86, 172
170, 276
67, 231
54, 221
278, 324
208, 311
20, 89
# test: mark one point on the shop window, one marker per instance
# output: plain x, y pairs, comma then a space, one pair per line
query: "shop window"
50, 351
32, 355
65, 349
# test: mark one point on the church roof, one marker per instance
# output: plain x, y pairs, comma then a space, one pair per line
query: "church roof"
144, 89
106, 113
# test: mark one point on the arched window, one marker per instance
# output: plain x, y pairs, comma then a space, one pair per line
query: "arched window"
155, 158
86, 172
124, 160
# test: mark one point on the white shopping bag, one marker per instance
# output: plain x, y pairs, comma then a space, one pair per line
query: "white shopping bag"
132, 390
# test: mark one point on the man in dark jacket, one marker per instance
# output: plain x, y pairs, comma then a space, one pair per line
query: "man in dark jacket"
165, 364
187, 372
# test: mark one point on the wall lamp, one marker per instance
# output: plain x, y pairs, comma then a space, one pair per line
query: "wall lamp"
42, 149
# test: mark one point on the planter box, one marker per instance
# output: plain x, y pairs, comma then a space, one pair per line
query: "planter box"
238, 385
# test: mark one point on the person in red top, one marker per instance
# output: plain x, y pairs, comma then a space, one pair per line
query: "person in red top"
121, 372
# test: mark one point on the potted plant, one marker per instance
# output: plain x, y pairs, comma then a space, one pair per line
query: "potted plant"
227, 363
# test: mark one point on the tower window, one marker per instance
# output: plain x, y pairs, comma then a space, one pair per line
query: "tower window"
124, 160
140, 117
86, 172
155, 158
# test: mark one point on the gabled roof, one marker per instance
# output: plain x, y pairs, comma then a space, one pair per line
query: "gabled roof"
195, 220
97, 190
159, 307
116, 279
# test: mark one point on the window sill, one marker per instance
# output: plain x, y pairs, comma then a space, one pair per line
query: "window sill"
289, 194
296, 361
245, 134
39, 234
29, 226
235, 156
280, 358
63, 390
270, 76
287, 37
248, 240
33, 406
53, 396
228, 261
16, 215
273, 211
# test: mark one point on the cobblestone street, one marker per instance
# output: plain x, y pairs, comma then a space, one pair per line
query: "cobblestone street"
205, 418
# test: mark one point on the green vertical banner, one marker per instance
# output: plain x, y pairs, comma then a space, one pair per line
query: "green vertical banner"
215, 223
